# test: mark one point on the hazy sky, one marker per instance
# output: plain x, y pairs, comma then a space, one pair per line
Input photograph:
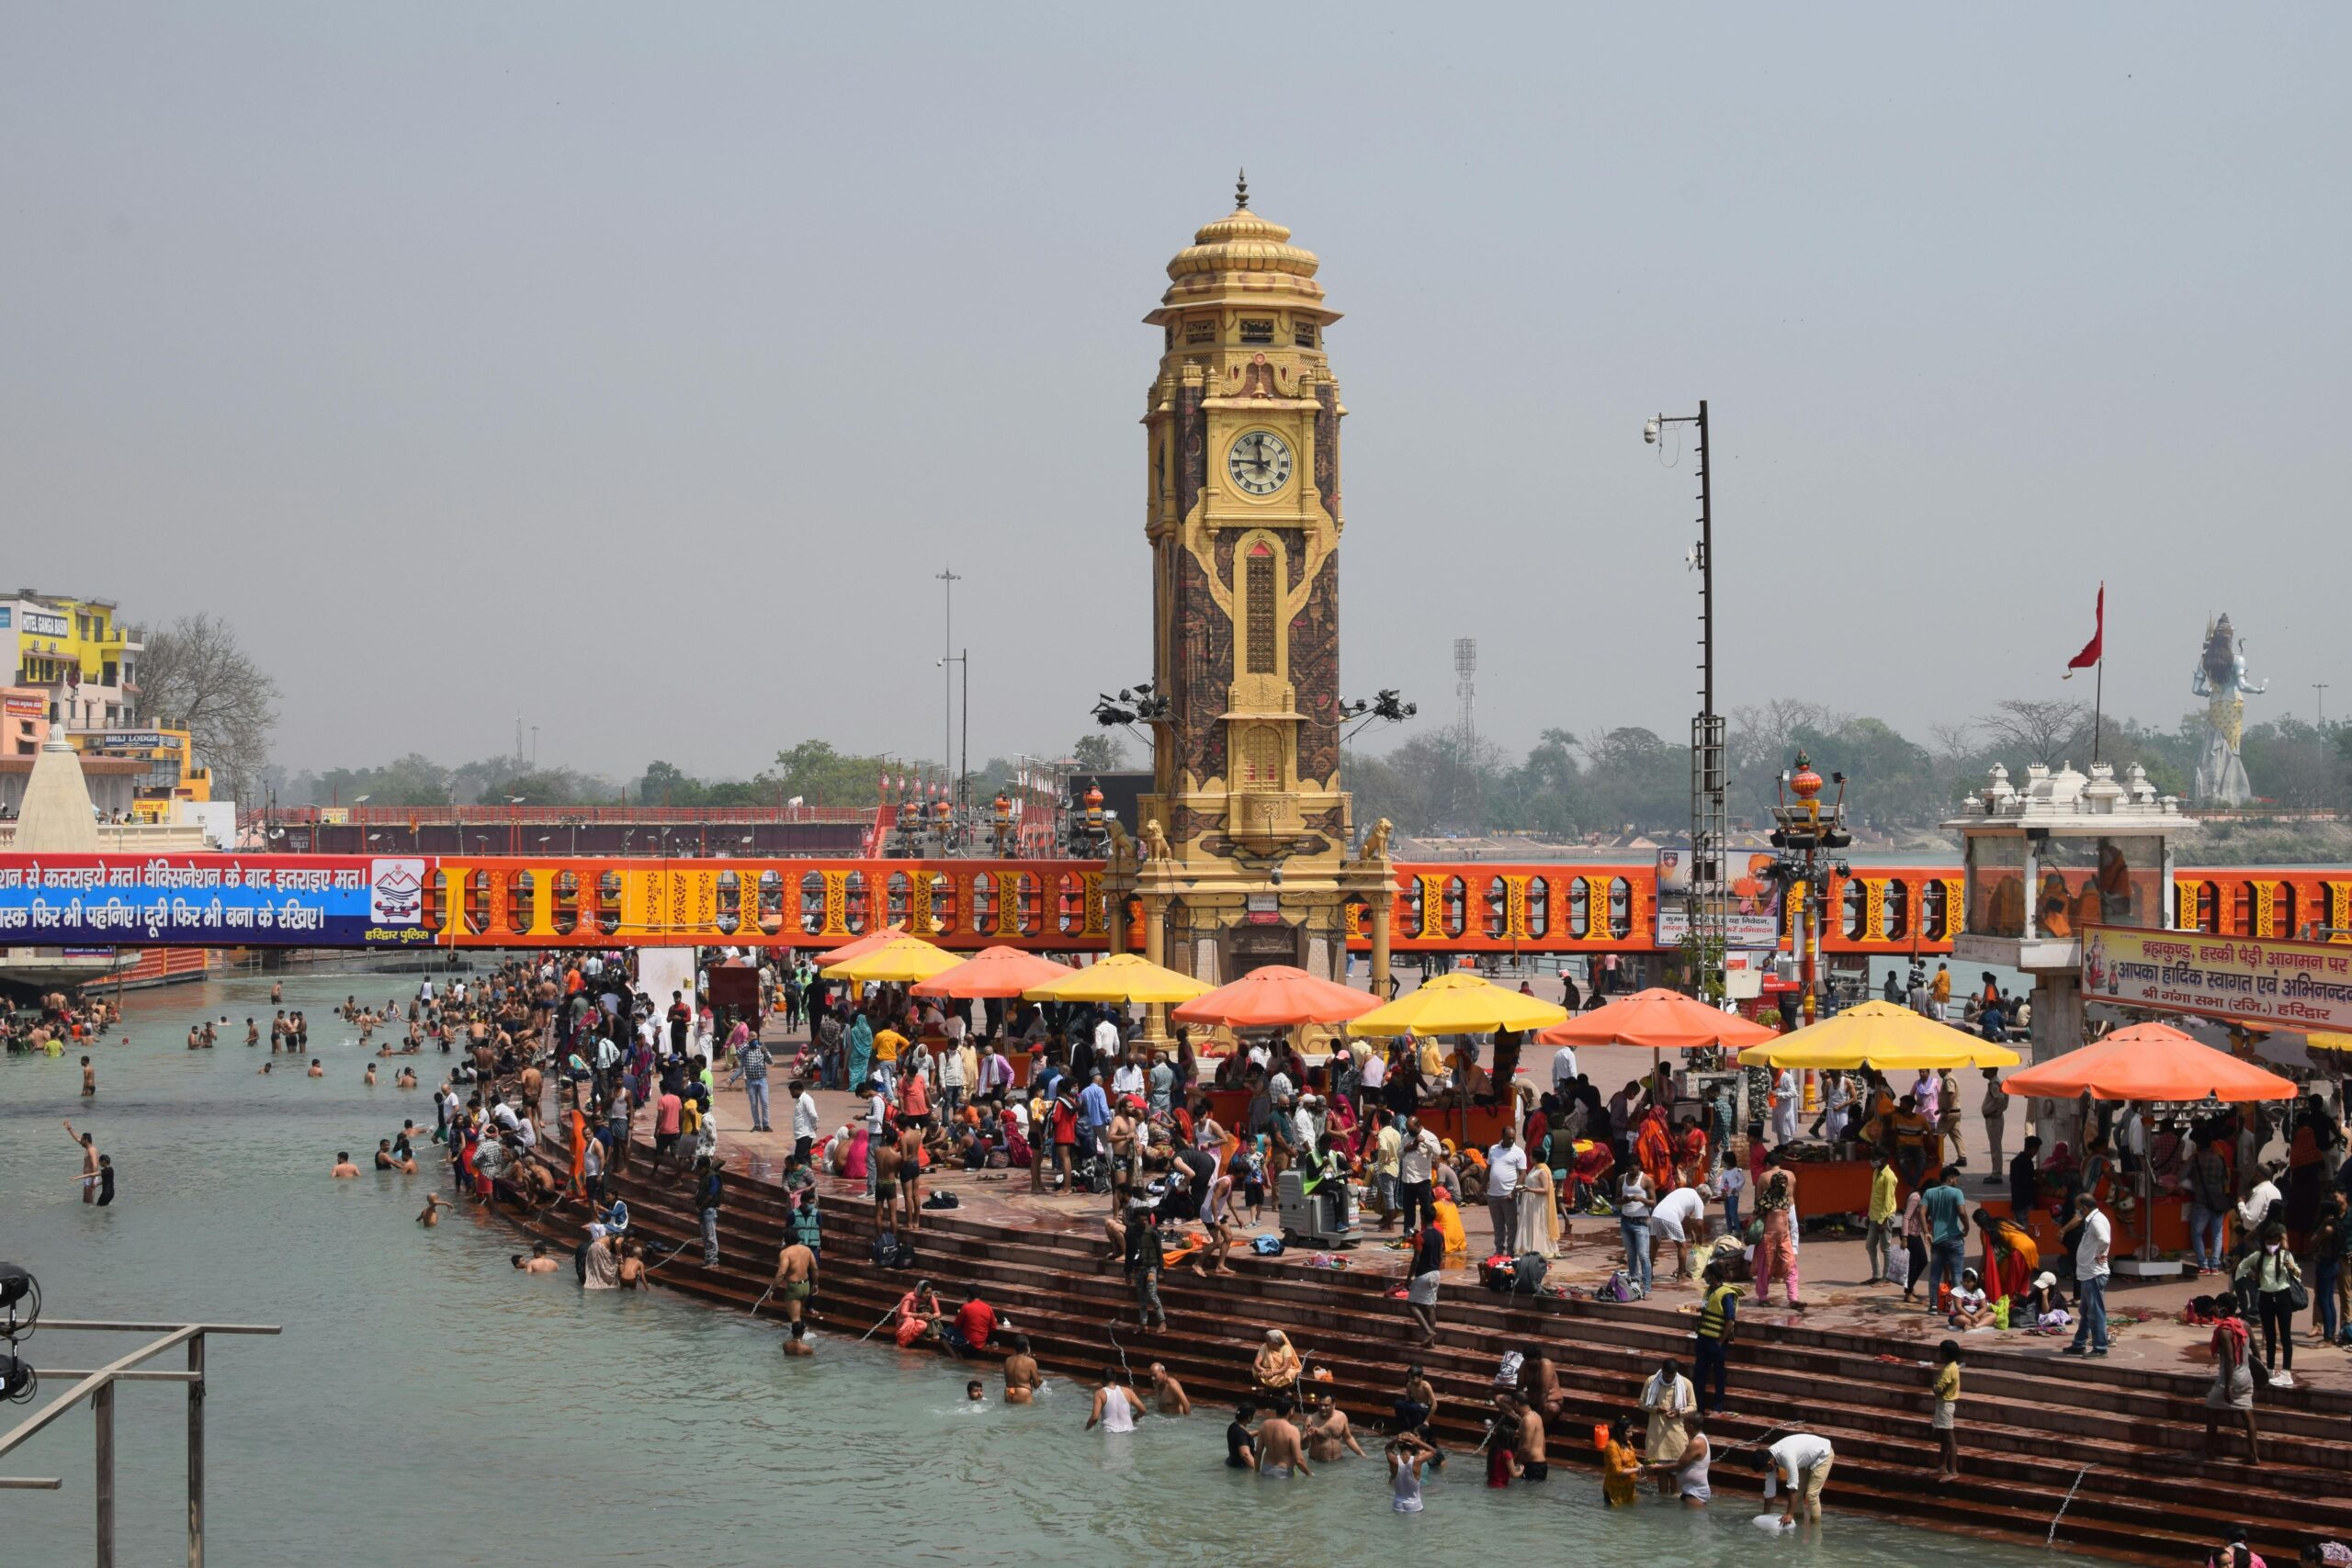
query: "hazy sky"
635, 368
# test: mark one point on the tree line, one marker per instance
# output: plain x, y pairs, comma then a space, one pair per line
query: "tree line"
1604, 783
1568, 787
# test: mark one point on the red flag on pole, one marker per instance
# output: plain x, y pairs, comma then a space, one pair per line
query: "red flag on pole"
2094, 649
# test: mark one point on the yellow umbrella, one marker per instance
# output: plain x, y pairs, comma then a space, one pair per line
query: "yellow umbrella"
1122, 977
901, 961
1881, 1035
1459, 1004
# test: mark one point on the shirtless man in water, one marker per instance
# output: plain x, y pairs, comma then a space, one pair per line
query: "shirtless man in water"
1021, 1378
88, 1143
343, 1169
796, 1281
1168, 1395
1279, 1454
1527, 1423
539, 1262
434, 1204
1328, 1433
316, 1071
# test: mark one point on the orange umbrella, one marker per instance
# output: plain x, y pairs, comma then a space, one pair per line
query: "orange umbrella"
2150, 1061
993, 972
1276, 996
861, 947
1658, 1019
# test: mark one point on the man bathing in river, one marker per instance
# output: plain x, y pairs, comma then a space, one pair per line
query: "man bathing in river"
1168, 1395
1328, 1433
1278, 1453
434, 1204
539, 1262
1022, 1378
796, 1281
343, 1169
88, 1143
1115, 1405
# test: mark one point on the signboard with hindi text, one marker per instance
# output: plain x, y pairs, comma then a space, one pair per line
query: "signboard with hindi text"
2288, 984
131, 900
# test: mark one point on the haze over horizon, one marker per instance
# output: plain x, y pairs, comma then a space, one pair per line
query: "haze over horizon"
638, 371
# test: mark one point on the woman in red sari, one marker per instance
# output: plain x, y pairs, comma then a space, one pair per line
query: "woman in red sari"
1340, 1123
1690, 1152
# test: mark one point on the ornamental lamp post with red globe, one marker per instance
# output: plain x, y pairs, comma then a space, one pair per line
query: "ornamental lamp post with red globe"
1805, 832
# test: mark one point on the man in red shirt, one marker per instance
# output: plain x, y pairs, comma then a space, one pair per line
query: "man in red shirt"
666, 1114
975, 1321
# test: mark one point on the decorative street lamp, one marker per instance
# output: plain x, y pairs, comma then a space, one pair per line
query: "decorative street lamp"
1805, 831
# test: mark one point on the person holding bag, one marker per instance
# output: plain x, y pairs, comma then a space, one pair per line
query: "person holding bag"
2275, 1280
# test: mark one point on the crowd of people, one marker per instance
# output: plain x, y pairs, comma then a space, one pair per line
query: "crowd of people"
572, 1051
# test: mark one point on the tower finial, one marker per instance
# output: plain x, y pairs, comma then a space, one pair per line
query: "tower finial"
1241, 190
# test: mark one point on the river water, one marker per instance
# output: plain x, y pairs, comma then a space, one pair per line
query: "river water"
428, 1403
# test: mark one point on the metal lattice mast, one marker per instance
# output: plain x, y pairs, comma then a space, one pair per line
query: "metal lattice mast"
1466, 687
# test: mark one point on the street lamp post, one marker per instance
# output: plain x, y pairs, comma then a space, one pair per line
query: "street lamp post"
1709, 900
964, 764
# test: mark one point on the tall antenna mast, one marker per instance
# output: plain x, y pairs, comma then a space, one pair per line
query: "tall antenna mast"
1465, 687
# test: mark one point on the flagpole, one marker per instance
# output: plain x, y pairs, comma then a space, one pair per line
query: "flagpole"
2098, 701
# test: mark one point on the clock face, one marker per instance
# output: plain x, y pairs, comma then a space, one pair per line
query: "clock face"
1259, 463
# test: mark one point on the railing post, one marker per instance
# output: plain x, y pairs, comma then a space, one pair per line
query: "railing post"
102, 1413
195, 1454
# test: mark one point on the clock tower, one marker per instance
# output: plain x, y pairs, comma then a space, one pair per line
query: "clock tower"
1242, 854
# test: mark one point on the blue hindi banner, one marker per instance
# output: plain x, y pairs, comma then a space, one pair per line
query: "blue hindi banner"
212, 900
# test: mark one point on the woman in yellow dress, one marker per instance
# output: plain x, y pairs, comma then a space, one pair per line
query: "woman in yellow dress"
1277, 1364
1621, 1466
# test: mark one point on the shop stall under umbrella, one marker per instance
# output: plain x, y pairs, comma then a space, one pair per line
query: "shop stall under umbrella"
2151, 1064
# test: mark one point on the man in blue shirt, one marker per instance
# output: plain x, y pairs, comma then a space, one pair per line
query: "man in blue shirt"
1093, 1112
1948, 1234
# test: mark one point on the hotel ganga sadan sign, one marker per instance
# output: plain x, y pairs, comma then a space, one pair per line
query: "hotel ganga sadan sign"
2292, 985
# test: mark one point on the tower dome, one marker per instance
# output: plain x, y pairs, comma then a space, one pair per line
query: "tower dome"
1242, 254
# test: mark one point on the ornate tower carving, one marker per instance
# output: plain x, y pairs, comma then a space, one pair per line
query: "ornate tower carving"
1243, 516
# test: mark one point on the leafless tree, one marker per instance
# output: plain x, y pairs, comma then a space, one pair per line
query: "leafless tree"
195, 676
1951, 743
1763, 734
2045, 731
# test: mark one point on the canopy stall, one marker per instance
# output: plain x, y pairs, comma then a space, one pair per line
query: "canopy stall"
2151, 1061
995, 973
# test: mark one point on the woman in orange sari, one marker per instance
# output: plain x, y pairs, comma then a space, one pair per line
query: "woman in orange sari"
1653, 1151
2011, 1258
577, 1131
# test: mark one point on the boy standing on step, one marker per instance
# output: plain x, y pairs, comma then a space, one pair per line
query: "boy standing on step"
1944, 1422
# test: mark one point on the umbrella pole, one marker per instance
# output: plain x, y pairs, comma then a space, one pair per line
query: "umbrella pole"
2147, 1198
